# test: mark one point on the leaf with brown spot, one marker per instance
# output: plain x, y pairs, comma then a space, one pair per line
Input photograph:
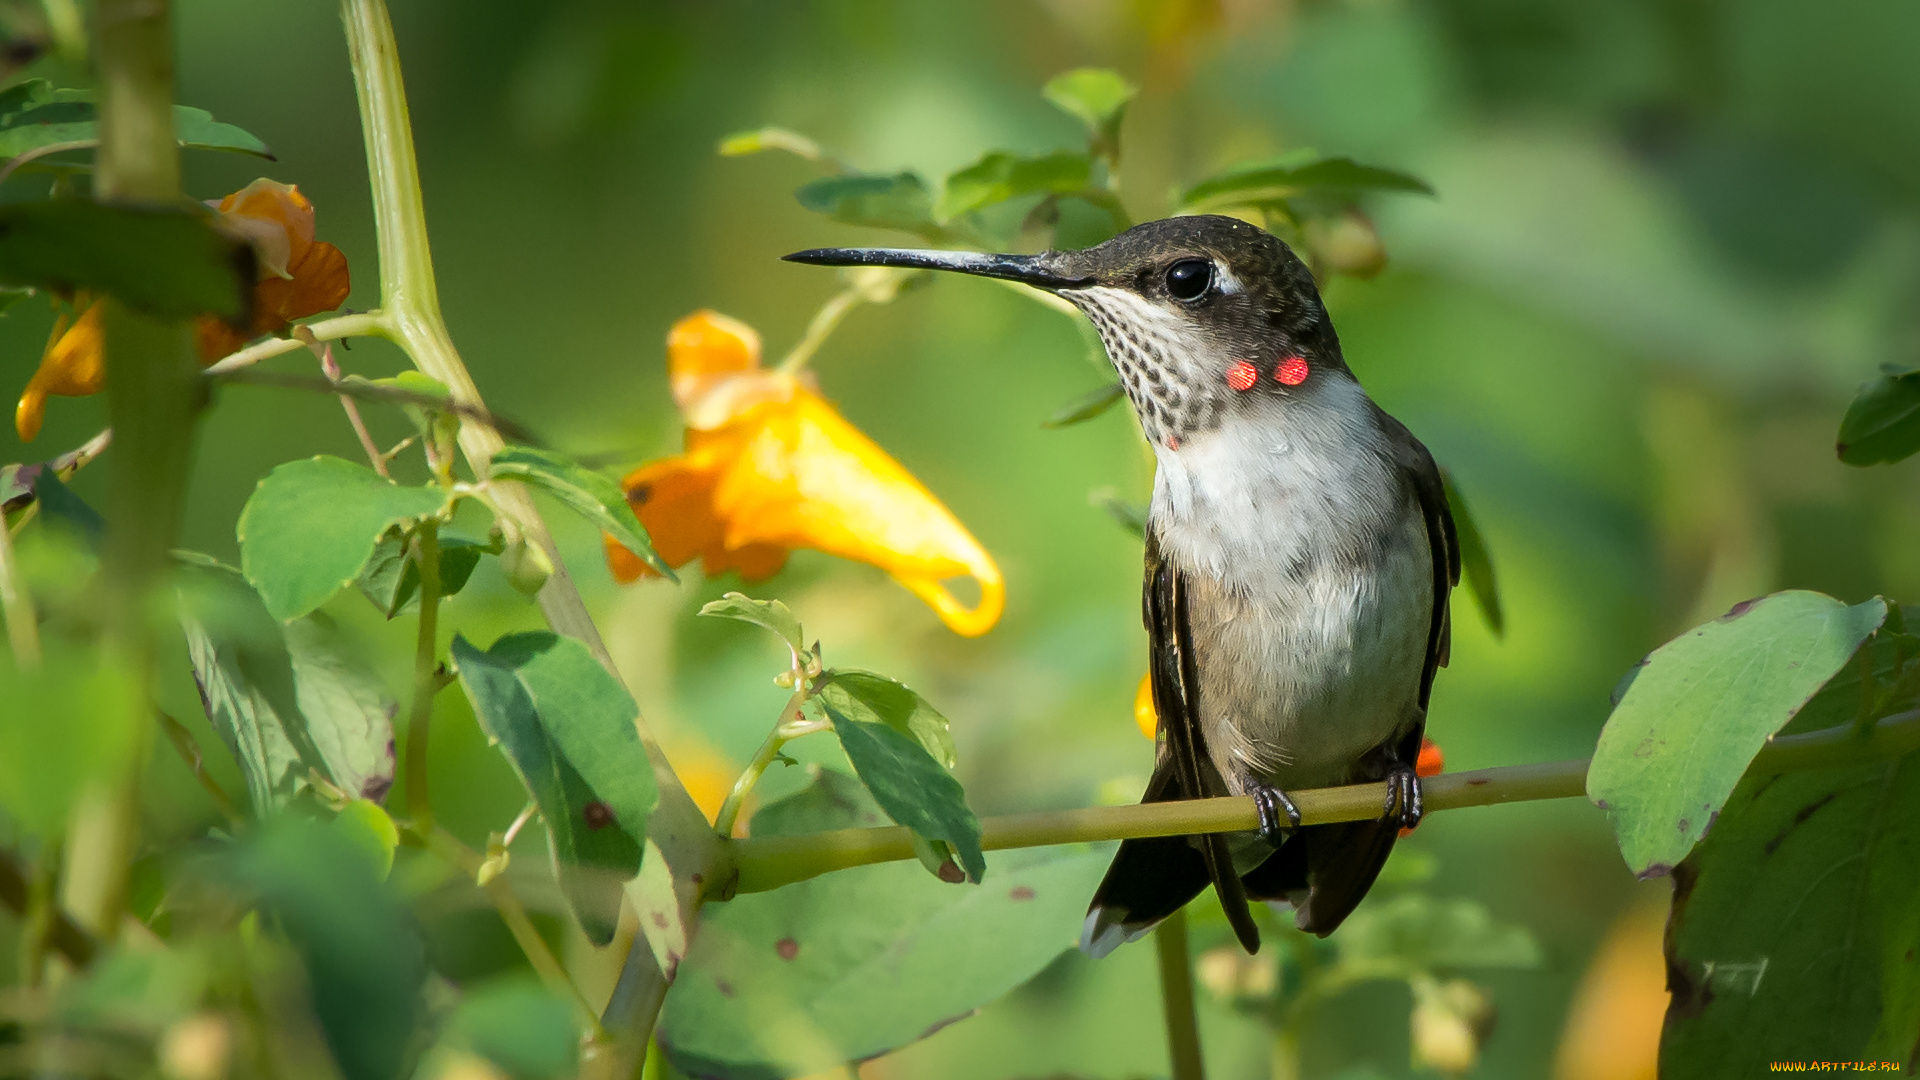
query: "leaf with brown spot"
566, 725
859, 962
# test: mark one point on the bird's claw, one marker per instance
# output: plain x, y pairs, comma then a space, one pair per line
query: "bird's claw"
1270, 803
1403, 798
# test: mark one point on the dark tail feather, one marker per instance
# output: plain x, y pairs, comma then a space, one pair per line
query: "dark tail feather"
1148, 881
1154, 877
1332, 865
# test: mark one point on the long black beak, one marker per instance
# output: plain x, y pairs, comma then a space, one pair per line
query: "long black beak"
1026, 269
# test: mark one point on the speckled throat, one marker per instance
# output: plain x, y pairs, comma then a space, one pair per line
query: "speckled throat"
1156, 364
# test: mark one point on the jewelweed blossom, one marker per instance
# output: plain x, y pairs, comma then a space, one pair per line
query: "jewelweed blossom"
771, 466
299, 276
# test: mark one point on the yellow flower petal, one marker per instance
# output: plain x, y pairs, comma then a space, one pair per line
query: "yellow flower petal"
1144, 713
74, 365
772, 466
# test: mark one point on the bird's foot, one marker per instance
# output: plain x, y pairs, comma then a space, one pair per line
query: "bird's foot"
1403, 797
1270, 803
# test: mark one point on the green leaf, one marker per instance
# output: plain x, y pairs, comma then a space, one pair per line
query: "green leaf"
1883, 423
311, 526
771, 138
863, 695
910, 784
567, 726
1129, 516
587, 493
346, 709
284, 698
1270, 181
521, 1027
1087, 406
768, 614
391, 578
898, 202
146, 990
1702, 705
33, 115
365, 964
58, 503
365, 824
1795, 934
165, 262
65, 723
999, 176
859, 962
1098, 98
1423, 933
1476, 561
659, 901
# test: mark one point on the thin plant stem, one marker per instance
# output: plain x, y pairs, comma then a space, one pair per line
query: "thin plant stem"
411, 317
514, 914
769, 752
189, 751
1286, 1053
23, 626
1176, 997
769, 862
820, 328
324, 350
358, 324
426, 670
513, 830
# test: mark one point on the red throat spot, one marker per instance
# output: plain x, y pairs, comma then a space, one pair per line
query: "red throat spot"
1292, 371
1242, 375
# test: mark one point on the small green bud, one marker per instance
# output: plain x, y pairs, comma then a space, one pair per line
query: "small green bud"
526, 565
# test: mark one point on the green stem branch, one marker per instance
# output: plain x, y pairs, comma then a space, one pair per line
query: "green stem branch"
411, 306
359, 324
769, 862
824, 322
769, 751
153, 394
512, 912
1176, 997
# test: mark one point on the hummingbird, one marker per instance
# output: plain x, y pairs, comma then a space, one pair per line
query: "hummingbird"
1299, 559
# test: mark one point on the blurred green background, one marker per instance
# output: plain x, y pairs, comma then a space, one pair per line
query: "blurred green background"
1670, 238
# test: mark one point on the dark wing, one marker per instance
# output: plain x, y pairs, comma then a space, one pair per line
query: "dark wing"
1151, 879
1431, 489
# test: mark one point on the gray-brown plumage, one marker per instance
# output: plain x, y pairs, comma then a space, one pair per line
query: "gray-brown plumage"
1299, 559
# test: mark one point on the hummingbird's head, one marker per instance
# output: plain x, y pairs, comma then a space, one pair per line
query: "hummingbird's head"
1203, 316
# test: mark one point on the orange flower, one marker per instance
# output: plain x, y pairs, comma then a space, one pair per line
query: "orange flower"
771, 466
299, 276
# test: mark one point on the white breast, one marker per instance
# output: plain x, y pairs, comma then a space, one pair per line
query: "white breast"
1310, 583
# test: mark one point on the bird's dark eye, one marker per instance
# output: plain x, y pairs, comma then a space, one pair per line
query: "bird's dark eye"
1189, 279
